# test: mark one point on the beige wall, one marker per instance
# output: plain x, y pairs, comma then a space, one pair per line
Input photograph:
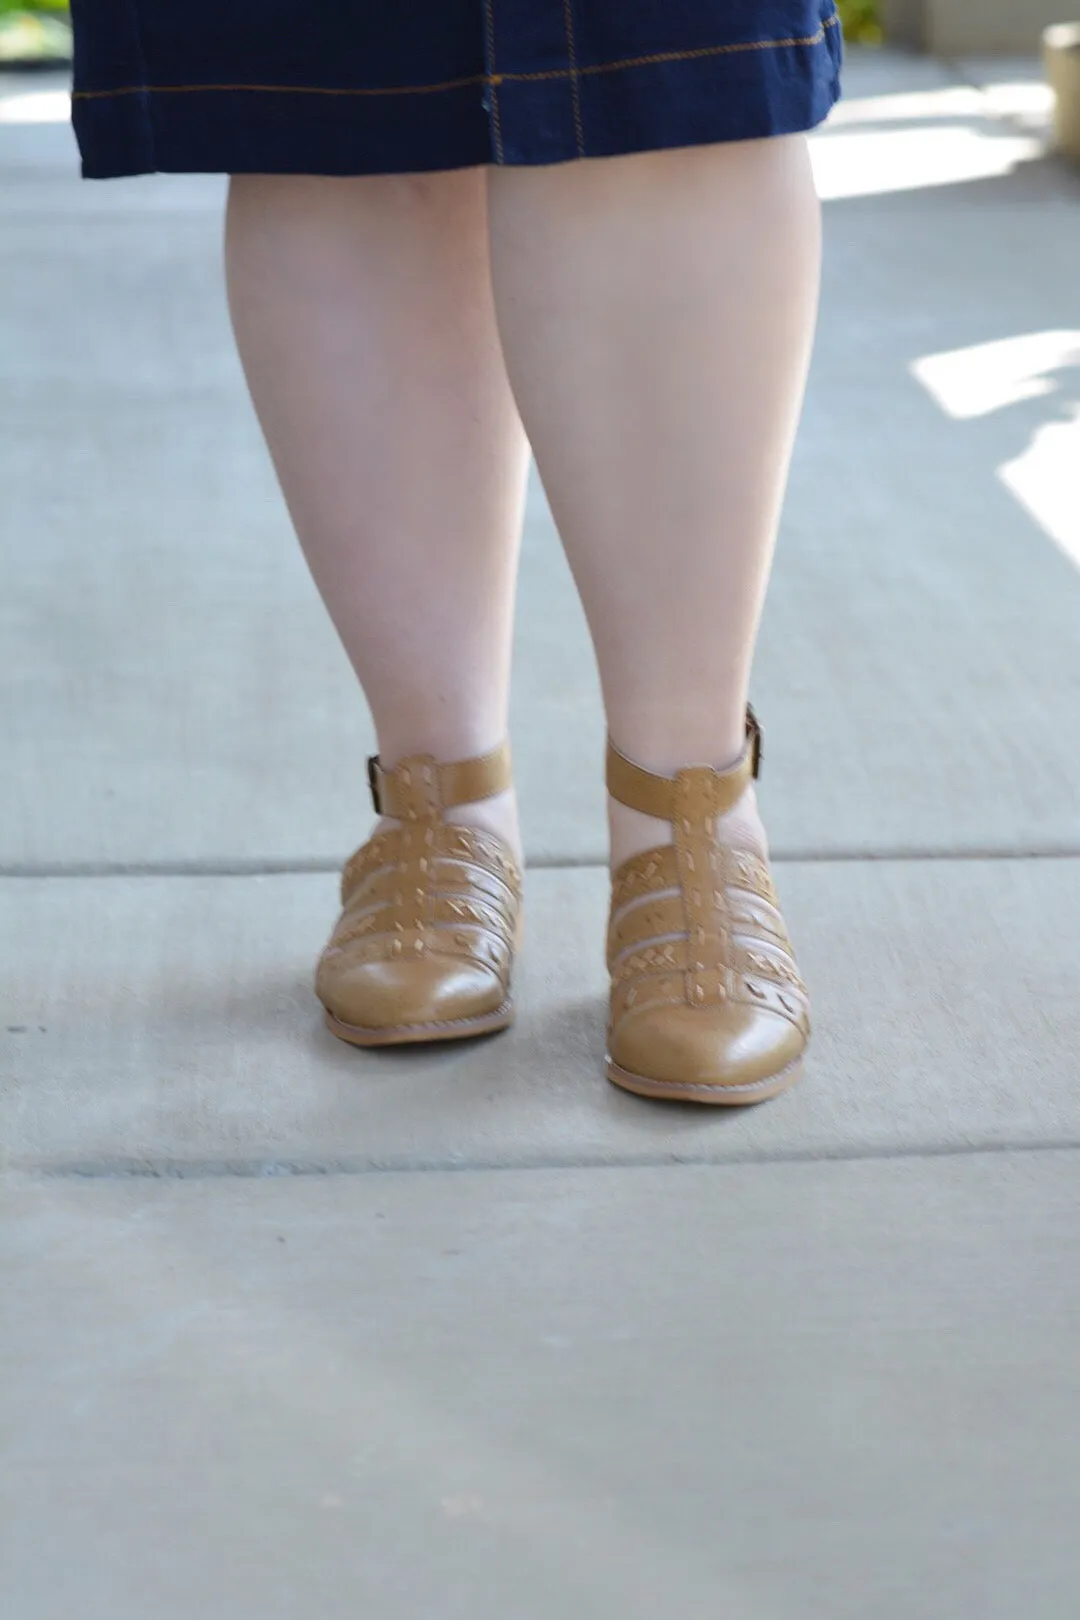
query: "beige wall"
903, 22
972, 27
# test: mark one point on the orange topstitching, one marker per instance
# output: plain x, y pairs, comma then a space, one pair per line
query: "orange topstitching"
573, 73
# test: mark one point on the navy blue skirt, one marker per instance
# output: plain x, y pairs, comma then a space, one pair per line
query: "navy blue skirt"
392, 86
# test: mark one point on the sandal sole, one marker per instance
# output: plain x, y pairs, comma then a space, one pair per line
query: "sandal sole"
455, 1029
711, 1096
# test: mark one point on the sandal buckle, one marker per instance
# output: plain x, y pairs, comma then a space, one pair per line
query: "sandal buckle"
753, 732
373, 782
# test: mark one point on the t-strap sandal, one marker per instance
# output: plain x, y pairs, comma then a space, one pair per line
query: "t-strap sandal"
706, 1001
424, 947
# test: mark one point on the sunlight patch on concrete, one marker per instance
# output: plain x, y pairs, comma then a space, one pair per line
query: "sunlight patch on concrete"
1030, 101
990, 377
1045, 479
912, 139
868, 163
35, 107
909, 106
984, 378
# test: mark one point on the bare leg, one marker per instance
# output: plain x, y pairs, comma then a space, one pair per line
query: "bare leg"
364, 317
657, 314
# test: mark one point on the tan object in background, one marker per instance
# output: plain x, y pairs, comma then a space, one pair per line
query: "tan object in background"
1061, 53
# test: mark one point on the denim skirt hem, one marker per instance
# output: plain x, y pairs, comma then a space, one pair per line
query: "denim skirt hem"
498, 81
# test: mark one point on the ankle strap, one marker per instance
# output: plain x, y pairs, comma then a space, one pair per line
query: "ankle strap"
420, 782
653, 795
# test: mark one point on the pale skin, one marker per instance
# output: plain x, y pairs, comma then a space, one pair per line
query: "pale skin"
650, 320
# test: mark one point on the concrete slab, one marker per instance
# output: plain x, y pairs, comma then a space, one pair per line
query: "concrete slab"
170, 1022
175, 692
1014, 86
786, 1392
916, 589
36, 139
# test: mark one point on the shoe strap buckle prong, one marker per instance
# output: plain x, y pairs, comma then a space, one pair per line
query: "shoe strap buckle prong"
373, 782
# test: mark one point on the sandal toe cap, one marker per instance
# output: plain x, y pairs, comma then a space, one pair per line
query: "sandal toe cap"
730, 1048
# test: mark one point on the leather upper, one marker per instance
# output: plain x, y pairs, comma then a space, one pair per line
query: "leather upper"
420, 786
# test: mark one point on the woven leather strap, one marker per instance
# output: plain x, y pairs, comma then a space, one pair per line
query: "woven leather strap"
420, 782
659, 796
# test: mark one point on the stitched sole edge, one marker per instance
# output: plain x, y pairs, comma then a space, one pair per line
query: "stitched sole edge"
714, 1096
454, 1029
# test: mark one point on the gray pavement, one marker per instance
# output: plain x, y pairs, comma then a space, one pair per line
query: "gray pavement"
261, 1354
768, 1391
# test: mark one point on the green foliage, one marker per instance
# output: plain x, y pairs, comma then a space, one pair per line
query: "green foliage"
860, 19
41, 35
7, 6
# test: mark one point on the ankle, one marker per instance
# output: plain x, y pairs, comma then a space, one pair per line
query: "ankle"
631, 832
497, 814
665, 741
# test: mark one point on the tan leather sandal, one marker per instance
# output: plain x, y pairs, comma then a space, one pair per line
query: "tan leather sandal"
424, 947
706, 1002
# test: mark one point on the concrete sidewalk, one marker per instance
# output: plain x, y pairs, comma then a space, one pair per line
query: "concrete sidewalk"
290, 1329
